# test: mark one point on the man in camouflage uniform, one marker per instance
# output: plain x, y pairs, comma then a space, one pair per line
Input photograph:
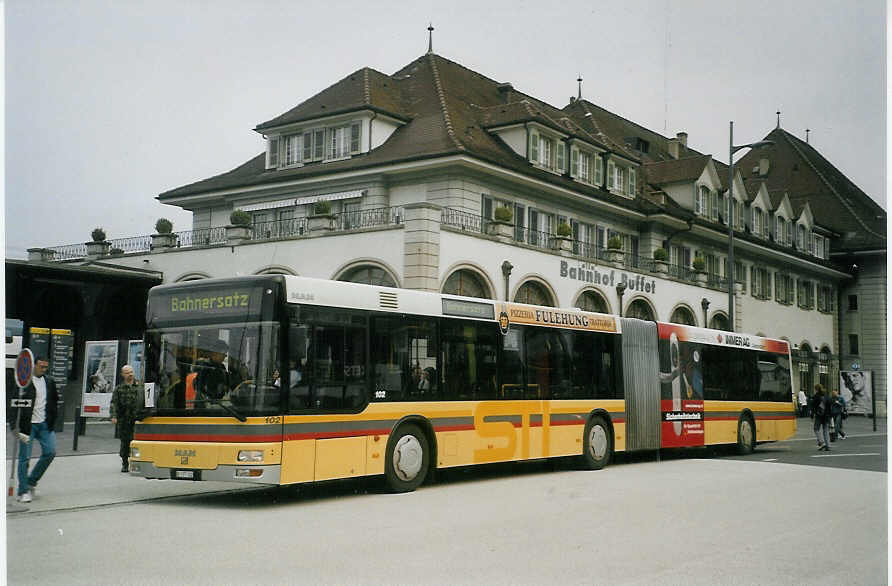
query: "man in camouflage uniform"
126, 408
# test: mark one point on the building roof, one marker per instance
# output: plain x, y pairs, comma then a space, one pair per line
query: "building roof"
448, 110
687, 169
363, 89
807, 177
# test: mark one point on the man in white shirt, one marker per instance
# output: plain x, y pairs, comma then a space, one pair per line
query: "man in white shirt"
36, 421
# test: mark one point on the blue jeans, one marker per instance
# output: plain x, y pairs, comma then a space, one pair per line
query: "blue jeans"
47, 439
822, 432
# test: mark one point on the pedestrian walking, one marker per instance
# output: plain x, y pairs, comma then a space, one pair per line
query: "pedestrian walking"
820, 408
803, 404
126, 407
837, 412
36, 421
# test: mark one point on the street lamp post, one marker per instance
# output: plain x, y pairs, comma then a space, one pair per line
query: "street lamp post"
731, 150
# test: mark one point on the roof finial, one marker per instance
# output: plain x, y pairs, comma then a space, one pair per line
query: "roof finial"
806, 135
579, 81
778, 118
430, 37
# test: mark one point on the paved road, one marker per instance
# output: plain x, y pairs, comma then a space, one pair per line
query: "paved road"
691, 520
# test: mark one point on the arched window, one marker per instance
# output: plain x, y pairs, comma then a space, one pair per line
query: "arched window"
641, 310
683, 315
591, 301
806, 370
533, 293
719, 322
368, 275
467, 283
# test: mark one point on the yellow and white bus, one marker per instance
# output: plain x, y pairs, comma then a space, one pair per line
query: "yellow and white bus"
281, 380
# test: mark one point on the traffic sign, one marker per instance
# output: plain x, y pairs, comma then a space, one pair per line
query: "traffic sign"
24, 368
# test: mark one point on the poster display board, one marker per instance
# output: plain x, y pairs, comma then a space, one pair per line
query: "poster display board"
134, 358
856, 387
100, 374
62, 354
39, 343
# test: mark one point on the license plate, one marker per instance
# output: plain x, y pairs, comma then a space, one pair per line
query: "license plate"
184, 474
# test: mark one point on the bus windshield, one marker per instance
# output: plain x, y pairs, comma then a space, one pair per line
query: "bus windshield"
215, 370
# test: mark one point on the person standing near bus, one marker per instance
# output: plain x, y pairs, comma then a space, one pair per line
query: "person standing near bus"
820, 408
803, 404
36, 421
126, 407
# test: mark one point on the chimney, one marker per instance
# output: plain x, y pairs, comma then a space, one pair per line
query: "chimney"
505, 89
683, 142
673, 148
764, 165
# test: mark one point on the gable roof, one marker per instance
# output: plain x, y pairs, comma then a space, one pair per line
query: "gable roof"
363, 89
447, 108
808, 178
675, 170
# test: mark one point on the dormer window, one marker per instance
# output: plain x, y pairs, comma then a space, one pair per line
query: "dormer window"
586, 167
547, 152
756, 223
706, 203
800, 237
331, 143
621, 179
788, 233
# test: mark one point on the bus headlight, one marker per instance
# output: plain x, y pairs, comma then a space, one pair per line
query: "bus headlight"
250, 456
134, 452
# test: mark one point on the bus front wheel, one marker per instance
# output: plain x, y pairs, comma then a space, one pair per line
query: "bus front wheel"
746, 435
597, 444
407, 459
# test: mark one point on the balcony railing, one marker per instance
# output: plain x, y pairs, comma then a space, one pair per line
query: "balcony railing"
278, 229
353, 220
201, 237
462, 220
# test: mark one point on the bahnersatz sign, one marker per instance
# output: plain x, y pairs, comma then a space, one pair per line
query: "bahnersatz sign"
587, 273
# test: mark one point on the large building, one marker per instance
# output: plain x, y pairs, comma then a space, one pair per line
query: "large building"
438, 178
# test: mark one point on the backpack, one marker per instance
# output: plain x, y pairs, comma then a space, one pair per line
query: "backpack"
820, 407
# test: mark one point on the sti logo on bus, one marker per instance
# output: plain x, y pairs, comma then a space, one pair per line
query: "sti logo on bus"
735, 340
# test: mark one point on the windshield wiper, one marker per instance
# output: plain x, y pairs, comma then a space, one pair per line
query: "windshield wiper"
226, 408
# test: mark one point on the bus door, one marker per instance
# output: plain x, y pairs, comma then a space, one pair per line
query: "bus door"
642, 389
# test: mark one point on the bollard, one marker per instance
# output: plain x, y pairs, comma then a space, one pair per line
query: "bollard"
77, 418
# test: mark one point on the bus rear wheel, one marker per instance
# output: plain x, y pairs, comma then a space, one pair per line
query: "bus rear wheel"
746, 435
407, 459
597, 444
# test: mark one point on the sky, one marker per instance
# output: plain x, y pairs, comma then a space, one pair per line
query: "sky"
109, 103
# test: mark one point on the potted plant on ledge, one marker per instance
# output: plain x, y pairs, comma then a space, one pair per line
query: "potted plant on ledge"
562, 241
321, 218
502, 225
699, 265
661, 261
615, 252
163, 236
239, 228
99, 245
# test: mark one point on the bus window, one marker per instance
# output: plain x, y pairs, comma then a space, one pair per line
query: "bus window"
404, 359
333, 342
593, 366
469, 359
511, 365
774, 378
715, 373
547, 364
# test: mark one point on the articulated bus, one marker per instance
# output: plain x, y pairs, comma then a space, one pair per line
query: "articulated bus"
282, 380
